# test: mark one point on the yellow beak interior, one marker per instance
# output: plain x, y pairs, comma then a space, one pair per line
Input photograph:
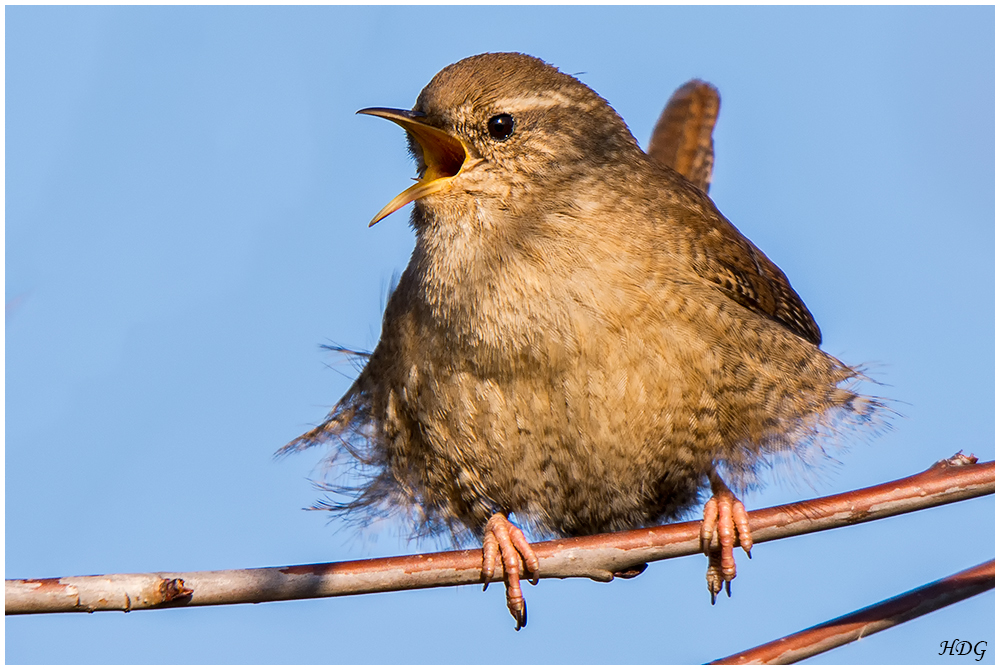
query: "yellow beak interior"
443, 157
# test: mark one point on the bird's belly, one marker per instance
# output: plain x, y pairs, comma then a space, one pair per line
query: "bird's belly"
598, 447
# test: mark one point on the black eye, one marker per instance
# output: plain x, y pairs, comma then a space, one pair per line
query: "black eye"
500, 126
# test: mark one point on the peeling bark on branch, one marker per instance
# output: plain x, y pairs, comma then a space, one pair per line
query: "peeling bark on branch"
598, 557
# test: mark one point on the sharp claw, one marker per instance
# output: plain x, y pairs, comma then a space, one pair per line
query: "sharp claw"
519, 610
729, 590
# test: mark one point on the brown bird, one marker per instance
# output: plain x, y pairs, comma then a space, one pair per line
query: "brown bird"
580, 340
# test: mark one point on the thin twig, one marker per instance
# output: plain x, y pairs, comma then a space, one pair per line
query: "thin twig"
870, 620
599, 557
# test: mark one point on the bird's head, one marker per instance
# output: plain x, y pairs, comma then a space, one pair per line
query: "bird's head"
496, 125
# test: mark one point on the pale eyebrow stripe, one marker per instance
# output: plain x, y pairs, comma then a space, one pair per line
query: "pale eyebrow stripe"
537, 101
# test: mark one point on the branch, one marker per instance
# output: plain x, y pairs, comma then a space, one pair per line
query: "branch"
599, 557
870, 620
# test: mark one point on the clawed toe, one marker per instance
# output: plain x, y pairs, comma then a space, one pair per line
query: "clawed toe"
505, 541
725, 518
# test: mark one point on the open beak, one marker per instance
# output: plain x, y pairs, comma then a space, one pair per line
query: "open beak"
443, 157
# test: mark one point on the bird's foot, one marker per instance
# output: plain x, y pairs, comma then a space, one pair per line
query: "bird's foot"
726, 517
505, 541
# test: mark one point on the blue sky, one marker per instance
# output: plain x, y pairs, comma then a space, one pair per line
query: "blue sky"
187, 193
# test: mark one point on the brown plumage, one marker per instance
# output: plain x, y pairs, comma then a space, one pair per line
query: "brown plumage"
580, 338
682, 137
